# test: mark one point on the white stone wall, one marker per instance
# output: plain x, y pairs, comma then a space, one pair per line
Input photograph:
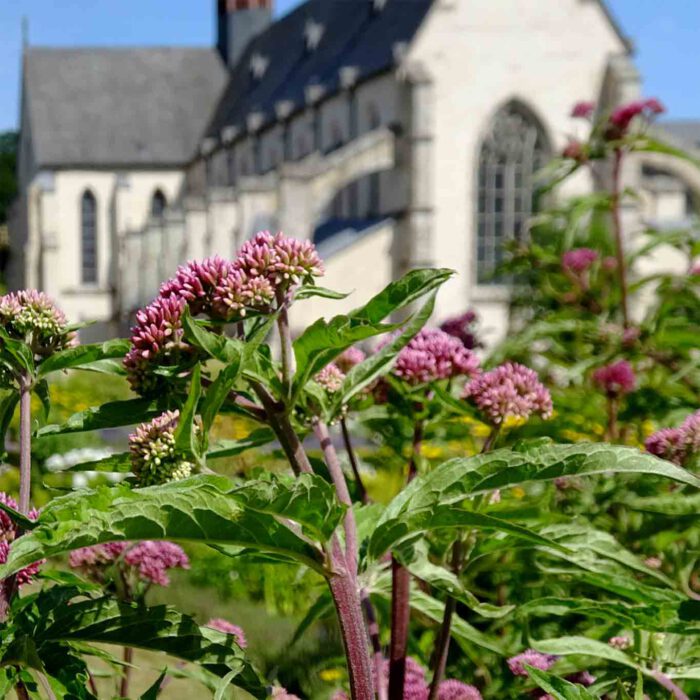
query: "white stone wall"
53, 210
547, 55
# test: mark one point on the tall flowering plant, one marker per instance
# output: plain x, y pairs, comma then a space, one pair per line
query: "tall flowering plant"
203, 348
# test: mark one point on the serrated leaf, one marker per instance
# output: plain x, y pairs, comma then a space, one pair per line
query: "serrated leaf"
8, 404
83, 356
115, 414
119, 463
267, 516
231, 448
558, 688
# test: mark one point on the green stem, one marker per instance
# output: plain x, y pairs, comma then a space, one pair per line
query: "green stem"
286, 349
617, 229
353, 460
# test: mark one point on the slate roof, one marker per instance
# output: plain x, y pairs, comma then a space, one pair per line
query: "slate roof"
354, 34
111, 107
685, 131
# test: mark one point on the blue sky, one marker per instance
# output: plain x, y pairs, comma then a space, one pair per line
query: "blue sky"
666, 35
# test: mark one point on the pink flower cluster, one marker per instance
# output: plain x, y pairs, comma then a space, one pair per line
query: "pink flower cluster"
154, 456
579, 260
9, 532
533, 658
31, 316
156, 339
616, 379
433, 355
222, 290
221, 625
331, 378
509, 390
583, 110
462, 328
149, 560
350, 358
622, 116
677, 445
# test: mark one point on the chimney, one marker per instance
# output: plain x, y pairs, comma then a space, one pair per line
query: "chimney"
239, 21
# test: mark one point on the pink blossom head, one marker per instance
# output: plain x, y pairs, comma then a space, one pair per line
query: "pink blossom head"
9, 533
462, 328
432, 355
25, 575
156, 339
690, 435
620, 642
331, 378
155, 458
695, 269
221, 625
196, 283
574, 150
533, 658
456, 690
239, 292
579, 260
583, 110
616, 379
509, 391
279, 693
32, 316
350, 358
584, 678
623, 116
667, 443
609, 263
150, 561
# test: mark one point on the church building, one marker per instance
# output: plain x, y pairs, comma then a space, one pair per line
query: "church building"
393, 133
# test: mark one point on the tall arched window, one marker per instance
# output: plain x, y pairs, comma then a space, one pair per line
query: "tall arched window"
158, 204
512, 152
88, 241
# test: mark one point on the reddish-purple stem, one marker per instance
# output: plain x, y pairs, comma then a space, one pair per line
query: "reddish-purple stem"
377, 655
663, 680
353, 460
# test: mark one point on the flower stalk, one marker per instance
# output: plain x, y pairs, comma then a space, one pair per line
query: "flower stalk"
617, 229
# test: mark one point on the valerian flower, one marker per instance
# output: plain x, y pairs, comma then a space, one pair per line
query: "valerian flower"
462, 328
32, 317
150, 561
330, 378
155, 458
620, 642
433, 355
623, 116
9, 532
583, 110
156, 339
221, 625
667, 443
456, 690
510, 390
578, 260
533, 658
616, 379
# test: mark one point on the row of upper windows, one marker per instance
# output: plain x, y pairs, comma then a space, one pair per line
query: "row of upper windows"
89, 231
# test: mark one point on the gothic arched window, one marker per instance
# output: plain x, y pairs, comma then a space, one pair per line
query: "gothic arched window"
88, 238
512, 152
158, 204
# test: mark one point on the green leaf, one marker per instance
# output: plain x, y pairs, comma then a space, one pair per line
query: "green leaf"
154, 691
567, 646
18, 353
186, 438
454, 481
22, 520
159, 628
324, 340
119, 463
648, 144
231, 448
224, 683
322, 607
82, 356
206, 509
309, 291
8, 404
216, 345
115, 414
363, 374
558, 688
41, 389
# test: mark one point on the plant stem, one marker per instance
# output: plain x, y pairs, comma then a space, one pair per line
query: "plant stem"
378, 656
612, 419
663, 680
400, 619
401, 592
353, 460
25, 444
343, 588
341, 489
491, 439
128, 657
279, 422
21, 691
617, 229
442, 646
286, 350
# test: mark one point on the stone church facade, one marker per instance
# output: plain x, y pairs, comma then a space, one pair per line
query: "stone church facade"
394, 133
